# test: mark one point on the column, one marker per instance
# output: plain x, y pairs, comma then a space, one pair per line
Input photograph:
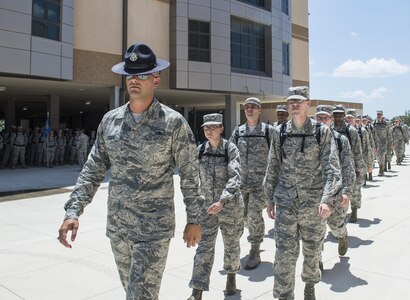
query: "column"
10, 114
53, 107
232, 114
114, 97
186, 112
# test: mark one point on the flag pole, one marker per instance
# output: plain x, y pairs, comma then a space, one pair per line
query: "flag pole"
47, 132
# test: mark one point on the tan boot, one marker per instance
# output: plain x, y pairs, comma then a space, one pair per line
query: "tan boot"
353, 216
310, 292
254, 258
196, 295
230, 288
342, 249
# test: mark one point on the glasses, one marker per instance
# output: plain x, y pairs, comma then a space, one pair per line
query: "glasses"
324, 118
295, 101
211, 127
251, 106
142, 77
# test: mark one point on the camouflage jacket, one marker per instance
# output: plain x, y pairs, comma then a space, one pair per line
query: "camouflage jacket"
399, 135
381, 130
353, 136
367, 150
219, 173
346, 163
254, 150
142, 157
303, 167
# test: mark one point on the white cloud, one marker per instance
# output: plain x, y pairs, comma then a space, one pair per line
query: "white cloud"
362, 96
354, 34
373, 68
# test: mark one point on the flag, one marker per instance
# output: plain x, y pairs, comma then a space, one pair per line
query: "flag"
47, 128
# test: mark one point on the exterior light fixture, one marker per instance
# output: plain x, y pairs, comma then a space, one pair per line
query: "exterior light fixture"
25, 108
88, 102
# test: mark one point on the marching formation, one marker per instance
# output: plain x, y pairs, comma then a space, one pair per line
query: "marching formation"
304, 171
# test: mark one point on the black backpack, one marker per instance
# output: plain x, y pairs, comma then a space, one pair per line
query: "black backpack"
202, 150
284, 136
266, 136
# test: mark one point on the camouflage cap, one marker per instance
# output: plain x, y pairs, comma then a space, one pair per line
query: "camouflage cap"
339, 108
298, 92
379, 112
253, 100
324, 109
350, 112
212, 119
283, 108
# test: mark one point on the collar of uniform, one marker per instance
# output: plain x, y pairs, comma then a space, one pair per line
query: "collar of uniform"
258, 128
151, 113
306, 127
219, 149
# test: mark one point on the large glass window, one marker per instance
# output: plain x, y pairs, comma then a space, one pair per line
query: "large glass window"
285, 59
199, 41
46, 19
260, 3
248, 45
285, 6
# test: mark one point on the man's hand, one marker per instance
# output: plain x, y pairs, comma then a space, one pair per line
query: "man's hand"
192, 234
345, 201
324, 210
68, 225
215, 208
270, 209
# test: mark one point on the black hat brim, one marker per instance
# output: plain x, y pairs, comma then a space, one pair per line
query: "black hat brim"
120, 68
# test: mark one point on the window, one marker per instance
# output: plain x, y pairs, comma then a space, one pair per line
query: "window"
285, 59
199, 41
285, 7
248, 46
46, 19
259, 3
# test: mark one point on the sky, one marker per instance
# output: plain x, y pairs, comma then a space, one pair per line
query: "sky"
359, 51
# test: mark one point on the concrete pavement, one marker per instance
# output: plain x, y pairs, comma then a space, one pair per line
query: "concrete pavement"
33, 265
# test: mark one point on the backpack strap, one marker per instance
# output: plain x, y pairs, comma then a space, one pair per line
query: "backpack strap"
267, 135
202, 152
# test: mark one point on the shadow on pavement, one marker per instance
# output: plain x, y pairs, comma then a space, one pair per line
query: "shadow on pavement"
261, 273
271, 234
353, 241
237, 296
368, 186
340, 278
363, 223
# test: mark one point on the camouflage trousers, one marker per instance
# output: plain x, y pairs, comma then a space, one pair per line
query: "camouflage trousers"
231, 224
356, 199
337, 220
389, 155
141, 266
399, 150
8, 150
19, 152
381, 159
291, 223
253, 215
59, 157
48, 156
81, 157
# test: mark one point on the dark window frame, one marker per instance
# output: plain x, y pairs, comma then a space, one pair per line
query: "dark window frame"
285, 59
285, 6
51, 29
250, 44
264, 4
199, 35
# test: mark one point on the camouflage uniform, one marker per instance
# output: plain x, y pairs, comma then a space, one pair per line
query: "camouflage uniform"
34, 140
300, 175
19, 142
254, 149
220, 179
49, 150
8, 148
366, 147
82, 149
60, 148
141, 218
359, 164
381, 129
75, 142
389, 153
337, 220
399, 139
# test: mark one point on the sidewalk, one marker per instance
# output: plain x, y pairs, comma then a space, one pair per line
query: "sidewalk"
33, 265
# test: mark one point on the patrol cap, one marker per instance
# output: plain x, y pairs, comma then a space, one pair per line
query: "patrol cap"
324, 109
339, 108
253, 100
350, 112
139, 60
299, 93
379, 112
212, 119
283, 108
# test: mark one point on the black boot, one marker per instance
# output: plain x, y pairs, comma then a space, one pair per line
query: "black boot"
310, 292
388, 166
370, 176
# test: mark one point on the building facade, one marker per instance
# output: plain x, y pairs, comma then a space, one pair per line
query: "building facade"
56, 56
